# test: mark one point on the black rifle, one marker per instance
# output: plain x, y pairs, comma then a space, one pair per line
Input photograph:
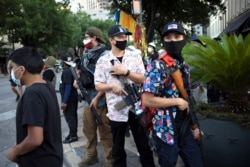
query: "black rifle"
131, 99
190, 119
133, 96
84, 95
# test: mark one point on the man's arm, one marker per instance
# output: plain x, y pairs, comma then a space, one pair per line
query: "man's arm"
103, 87
136, 77
95, 100
122, 70
149, 100
114, 87
32, 140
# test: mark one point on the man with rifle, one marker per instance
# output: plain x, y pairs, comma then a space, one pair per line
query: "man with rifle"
114, 71
166, 88
94, 115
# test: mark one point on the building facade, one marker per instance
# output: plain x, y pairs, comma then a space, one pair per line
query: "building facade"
96, 4
97, 9
236, 19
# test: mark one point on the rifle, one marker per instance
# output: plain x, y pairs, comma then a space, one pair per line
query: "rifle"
131, 99
133, 95
177, 77
84, 95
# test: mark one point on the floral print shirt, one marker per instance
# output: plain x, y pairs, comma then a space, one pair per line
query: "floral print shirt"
158, 81
132, 61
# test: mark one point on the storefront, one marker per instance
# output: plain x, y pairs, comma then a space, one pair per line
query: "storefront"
240, 24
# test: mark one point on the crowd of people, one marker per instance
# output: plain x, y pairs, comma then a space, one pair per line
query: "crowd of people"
105, 79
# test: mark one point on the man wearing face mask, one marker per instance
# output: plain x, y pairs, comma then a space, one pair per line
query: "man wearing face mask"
14, 82
160, 91
152, 54
94, 48
38, 121
117, 65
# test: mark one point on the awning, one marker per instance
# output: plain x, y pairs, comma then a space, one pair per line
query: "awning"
239, 24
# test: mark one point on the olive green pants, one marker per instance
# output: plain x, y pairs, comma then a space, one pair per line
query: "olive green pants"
90, 131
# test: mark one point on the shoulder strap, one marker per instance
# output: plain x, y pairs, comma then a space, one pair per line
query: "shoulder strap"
176, 75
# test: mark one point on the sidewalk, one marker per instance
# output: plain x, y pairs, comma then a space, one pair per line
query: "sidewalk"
74, 152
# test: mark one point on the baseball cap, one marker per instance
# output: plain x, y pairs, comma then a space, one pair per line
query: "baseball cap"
94, 31
197, 39
152, 44
50, 61
67, 59
173, 27
117, 30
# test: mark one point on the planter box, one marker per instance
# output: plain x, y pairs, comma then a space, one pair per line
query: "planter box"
225, 144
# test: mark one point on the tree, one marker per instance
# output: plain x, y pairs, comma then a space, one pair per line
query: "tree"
225, 64
45, 24
156, 13
36, 23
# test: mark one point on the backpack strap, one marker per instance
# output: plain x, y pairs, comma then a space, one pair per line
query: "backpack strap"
176, 75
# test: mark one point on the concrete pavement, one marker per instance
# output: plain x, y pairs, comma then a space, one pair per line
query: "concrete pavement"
74, 152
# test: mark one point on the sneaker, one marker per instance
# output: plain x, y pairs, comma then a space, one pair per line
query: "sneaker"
88, 161
70, 139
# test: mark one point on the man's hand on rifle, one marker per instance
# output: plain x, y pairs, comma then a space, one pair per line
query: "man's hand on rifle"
94, 102
196, 133
118, 70
118, 89
63, 106
75, 84
182, 104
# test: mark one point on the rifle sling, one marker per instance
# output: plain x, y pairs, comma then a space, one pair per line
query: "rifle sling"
177, 77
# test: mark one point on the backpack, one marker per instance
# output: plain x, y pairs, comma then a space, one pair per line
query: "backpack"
146, 117
87, 66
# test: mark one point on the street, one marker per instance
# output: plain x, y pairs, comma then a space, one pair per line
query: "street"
73, 152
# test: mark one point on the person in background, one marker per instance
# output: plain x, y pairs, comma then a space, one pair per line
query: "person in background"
14, 83
69, 98
38, 120
160, 91
198, 89
49, 70
94, 49
152, 53
117, 65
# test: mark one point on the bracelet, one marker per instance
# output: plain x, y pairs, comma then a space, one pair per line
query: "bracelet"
128, 72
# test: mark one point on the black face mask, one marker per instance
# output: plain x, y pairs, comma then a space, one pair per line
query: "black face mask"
174, 49
121, 44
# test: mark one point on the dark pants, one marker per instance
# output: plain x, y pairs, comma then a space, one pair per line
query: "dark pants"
189, 152
141, 140
70, 115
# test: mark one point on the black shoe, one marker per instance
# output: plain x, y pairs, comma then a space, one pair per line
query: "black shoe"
67, 137
17, 97
70, 139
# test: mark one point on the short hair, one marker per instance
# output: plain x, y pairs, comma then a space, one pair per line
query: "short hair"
28, 57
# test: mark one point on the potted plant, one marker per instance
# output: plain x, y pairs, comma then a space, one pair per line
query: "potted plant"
224, 63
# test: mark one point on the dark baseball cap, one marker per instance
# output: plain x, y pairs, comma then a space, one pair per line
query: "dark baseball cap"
173, 27
94, 31
117, 30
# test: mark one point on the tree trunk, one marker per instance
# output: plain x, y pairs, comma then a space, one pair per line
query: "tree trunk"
237, 102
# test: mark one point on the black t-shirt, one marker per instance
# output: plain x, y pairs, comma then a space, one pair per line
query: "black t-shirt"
39, 107
67, 78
